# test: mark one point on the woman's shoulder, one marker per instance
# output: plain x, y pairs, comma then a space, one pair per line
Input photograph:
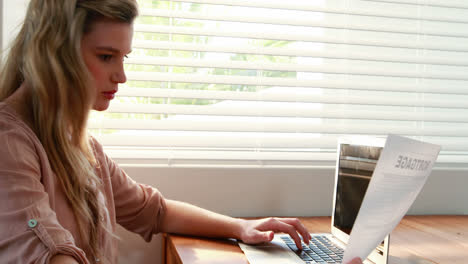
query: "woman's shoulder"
11, 123
6, 113
20, 145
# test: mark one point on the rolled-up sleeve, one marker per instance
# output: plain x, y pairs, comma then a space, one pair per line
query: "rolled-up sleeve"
30, 231
138, 207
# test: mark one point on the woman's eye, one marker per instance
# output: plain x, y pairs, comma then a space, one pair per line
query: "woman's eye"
105, 57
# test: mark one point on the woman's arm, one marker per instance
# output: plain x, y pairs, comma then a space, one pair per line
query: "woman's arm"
63, 259
183, 218
29, 227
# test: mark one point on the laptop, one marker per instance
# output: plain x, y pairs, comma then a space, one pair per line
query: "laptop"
355, 163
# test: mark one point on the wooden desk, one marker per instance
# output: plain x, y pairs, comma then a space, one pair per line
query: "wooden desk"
416, 240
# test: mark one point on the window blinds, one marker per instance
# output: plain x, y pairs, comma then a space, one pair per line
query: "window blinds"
274, 83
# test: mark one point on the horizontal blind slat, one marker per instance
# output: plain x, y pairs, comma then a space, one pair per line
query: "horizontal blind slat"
288, 82
459, 74
275, 111
248, 141
306, 21
438, 3
275, 127
123, 153
226, 159
336, 54
297, 97
315, 6
191, 141
455, 44
219, 155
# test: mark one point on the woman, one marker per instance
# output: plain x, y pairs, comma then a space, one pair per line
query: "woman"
61, 195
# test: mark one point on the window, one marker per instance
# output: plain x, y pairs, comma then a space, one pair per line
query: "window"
11, 16
273, 83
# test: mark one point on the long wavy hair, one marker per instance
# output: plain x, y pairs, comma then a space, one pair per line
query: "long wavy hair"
46, 56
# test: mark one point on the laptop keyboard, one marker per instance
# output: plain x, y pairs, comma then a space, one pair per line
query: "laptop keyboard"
320, 250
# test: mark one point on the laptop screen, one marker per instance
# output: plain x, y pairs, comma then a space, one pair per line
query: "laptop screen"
355, 168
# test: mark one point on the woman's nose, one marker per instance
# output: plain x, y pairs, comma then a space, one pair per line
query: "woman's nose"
119, 75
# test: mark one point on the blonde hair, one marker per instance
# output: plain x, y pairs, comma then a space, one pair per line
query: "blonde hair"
46, 56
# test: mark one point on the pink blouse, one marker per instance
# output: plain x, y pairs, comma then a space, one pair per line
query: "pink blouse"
36, 221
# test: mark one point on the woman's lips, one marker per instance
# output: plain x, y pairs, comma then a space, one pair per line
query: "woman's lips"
109, 95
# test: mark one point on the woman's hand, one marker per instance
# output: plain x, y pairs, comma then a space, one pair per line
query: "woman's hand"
355, 261
262, 230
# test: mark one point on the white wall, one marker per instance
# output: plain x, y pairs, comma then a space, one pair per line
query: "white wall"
12, 15
272, 192
1, 25
286, 192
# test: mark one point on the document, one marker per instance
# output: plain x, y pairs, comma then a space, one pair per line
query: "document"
403, 168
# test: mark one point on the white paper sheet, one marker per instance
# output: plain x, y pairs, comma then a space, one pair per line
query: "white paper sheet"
403, 168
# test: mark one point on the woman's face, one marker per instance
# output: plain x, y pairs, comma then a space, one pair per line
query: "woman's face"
104, 49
